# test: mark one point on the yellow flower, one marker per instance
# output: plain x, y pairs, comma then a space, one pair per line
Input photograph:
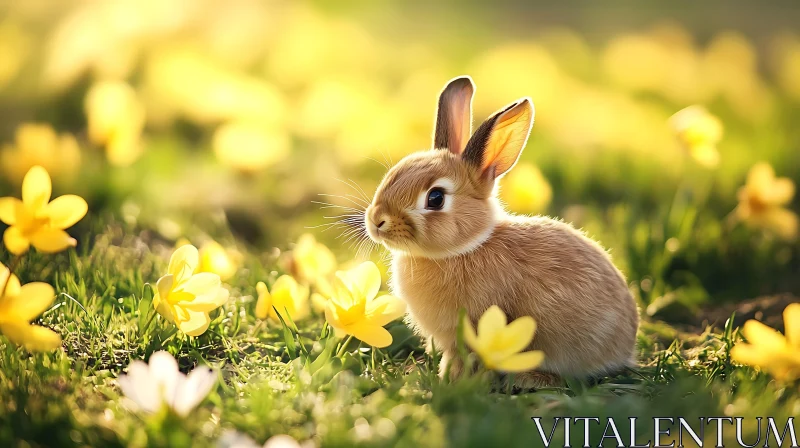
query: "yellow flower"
310, 260
761, 202
525, 190
323, 289
38, 144
250, 146
770, 350
216, 259
185, 297
35, 220
286, 295
699, 132
354, 308
21, 304
116, 118
499, 344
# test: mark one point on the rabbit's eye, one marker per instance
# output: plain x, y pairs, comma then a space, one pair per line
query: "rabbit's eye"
435, 199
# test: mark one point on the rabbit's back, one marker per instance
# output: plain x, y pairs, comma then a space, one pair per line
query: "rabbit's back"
535, 266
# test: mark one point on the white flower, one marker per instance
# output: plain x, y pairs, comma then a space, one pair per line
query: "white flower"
233, 439
161, 383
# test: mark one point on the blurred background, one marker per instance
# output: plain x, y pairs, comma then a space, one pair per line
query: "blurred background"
228, 119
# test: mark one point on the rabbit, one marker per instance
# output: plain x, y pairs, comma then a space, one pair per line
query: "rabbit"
454, 246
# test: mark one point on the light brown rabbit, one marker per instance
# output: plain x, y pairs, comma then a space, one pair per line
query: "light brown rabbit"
453, 245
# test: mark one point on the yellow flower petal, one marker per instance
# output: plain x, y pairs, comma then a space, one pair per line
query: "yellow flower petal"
29, 301
13, 287
760, 176
204, 283
312, 260
289, 297
15, 242
183, 263
164, 285
318, 302
284, 283
36, 188
384, 309
331, 315
705, 155
52, 240
163, 307
373, 335
342, 294
782, 191
66, 210
492, 321
264, 303
521, 362
763, 336
470, 338
364, 279
749, 354
32, 337
784, 365
216, 259
782, 221
516, 336
324, 287
8, 210
195, 324
207, 302
791, 322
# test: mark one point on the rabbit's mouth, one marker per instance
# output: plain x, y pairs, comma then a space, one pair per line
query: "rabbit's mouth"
397, 238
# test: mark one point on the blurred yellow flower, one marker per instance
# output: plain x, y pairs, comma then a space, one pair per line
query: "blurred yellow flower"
38, 144
286, 295
216, 259
787, 63
356, 309
314, 45
323, 290
310, 260
731, 71
15, 46
37, 221
525, 190
184, 81
250, 146
19, 305
499, 344
511, 69
770, 350
184, 297
116, 118
699, 132
663, 60
762, 200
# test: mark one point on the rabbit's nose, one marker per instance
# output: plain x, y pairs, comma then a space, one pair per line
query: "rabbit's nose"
380, 219
382, 222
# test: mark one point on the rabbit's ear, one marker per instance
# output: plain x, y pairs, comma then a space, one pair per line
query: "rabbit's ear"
454, 115
498, 142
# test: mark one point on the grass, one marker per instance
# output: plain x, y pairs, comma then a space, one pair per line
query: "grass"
273, 380
362, 94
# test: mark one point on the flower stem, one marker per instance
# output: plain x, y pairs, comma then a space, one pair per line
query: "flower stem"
344, 345
11, 266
